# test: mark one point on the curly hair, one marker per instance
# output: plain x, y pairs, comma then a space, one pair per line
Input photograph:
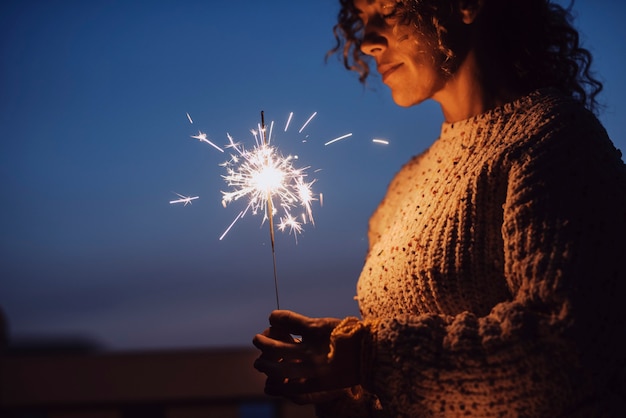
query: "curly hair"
531, 41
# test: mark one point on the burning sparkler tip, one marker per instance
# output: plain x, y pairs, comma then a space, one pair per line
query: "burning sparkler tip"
269, 181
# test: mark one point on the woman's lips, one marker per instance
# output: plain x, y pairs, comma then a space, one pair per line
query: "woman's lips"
387, 70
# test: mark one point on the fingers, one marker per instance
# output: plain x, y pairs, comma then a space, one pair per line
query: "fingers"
301, 390
290, 322
308, 328
280, 371
278, 334
269, 352
287, 362
294, 369
279, 348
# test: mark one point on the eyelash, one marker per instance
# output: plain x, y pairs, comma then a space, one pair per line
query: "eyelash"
393, 13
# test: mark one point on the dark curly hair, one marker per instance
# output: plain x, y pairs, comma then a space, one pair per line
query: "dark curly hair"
533, 42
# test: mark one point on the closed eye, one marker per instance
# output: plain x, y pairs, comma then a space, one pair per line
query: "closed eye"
393, 11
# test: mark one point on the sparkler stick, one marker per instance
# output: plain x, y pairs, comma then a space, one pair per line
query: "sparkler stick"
270, 211
268, 181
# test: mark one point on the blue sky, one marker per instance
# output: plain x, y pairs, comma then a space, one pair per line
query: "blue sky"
94, 140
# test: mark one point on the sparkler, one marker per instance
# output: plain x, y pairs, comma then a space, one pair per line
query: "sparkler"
270, 183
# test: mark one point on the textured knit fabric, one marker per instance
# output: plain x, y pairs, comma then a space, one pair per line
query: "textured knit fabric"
495, 279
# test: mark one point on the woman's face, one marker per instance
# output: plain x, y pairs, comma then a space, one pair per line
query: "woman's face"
404, 58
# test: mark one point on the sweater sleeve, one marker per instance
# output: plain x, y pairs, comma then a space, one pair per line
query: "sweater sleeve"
557, 342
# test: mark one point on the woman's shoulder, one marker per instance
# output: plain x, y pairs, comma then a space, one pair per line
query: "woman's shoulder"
550, 112
548, 119
562, 136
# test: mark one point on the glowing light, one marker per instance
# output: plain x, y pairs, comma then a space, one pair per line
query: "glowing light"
380, 141
288, 121
202, 137
289, 222
183, 199
307, 122
268, 181
271, 129
232, 224
338, 138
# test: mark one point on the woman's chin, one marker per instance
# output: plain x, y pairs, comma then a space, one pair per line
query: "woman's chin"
403, 100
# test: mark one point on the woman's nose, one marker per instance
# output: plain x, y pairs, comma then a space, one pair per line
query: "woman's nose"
373, 43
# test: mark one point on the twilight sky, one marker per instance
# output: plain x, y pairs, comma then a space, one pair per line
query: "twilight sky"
94, 141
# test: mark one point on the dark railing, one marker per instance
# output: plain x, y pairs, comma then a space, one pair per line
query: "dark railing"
211, 383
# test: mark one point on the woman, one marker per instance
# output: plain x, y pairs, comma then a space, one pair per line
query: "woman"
495, 271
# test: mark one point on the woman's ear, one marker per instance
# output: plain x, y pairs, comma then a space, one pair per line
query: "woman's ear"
469, 10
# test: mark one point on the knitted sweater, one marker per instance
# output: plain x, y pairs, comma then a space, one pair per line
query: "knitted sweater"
496, 276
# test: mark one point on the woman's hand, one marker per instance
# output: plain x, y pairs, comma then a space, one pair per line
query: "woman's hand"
303, 369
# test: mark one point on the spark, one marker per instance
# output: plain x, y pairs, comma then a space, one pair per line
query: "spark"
269, 136
232, 223
290, 222
307, 122
380, 141
338, 138
288, 121
184, 199
189, 117
231, 144
269, 182
202, 137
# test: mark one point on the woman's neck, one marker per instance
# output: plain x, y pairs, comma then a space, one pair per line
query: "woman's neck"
471, 91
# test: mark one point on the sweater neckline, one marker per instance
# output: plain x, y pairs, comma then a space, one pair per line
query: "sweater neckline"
452, 129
